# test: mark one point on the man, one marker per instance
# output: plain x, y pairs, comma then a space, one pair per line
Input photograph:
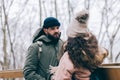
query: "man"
44, 51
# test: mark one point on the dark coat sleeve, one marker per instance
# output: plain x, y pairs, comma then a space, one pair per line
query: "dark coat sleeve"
31, 64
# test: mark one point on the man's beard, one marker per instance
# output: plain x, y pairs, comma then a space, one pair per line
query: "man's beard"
53, 38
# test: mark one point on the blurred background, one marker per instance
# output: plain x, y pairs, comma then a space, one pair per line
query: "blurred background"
19, 19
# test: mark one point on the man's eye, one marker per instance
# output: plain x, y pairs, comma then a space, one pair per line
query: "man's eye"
57, 27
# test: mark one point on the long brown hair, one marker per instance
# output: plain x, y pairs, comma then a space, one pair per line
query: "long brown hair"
82, 50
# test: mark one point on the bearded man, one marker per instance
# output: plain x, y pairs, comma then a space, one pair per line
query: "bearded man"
44, 51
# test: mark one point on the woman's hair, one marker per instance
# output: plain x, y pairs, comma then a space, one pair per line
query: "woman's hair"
82, 50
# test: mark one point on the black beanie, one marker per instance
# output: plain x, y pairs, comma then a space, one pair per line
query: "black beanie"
50, 22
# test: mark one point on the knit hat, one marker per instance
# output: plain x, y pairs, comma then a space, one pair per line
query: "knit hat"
50, 22
78, 24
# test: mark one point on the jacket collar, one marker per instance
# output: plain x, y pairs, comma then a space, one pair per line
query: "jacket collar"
43, 38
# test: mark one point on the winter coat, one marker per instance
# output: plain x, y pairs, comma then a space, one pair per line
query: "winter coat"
66, 70
37, 63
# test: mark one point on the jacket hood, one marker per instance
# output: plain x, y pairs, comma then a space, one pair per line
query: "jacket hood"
43, 38
37, 34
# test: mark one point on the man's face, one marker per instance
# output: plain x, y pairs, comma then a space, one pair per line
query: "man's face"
53, 33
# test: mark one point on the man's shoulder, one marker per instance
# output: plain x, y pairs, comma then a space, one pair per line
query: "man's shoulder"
35, 44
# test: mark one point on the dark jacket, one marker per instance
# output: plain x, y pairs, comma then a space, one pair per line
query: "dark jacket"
36, 66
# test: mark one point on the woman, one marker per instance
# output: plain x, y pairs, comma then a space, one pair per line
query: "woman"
82, 55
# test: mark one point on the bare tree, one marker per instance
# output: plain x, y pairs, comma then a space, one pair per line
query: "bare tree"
69, 10
7, 32
56, 12
107, 23
87, 4
40, 7
44, 8
5, 63
117, 56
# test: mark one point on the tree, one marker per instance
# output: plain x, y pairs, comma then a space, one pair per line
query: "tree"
110, 23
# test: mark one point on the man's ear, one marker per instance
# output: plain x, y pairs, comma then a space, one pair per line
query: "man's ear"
45, 30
